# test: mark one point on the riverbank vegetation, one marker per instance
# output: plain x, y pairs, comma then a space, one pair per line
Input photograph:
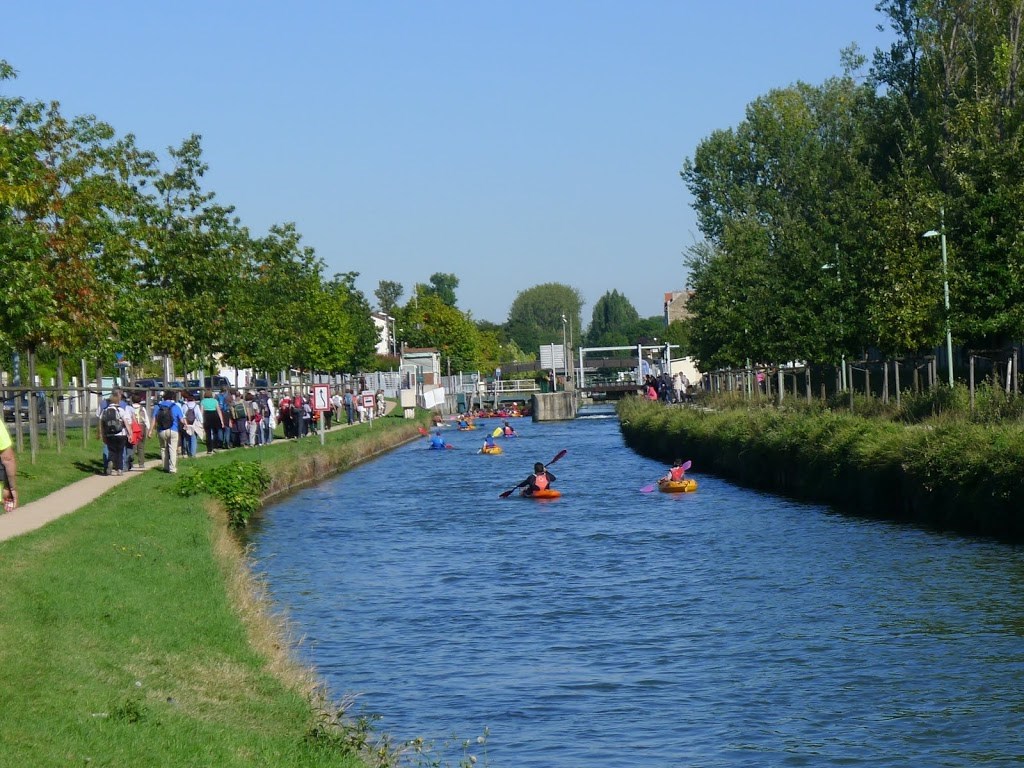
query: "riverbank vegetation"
134, 633
948, 472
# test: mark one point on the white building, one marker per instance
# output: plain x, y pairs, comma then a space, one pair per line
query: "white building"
385, 325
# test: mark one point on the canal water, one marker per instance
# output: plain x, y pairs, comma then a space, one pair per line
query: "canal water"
613, 627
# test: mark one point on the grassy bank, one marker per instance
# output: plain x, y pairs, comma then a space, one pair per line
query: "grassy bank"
132, 634
950, 475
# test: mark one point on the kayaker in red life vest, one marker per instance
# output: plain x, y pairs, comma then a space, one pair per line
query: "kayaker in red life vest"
540, 480
676, 473
508, 431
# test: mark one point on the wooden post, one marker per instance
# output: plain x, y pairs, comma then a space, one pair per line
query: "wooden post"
971, 383
807, 372
896, 378
867, 381
33, 421
83, 406
885, 382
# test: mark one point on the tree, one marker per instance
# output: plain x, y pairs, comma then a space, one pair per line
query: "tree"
429, 322
535, 317
196, 256
442, 285
613, 318
388, 293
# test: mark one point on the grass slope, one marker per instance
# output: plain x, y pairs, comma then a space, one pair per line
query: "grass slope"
132, 635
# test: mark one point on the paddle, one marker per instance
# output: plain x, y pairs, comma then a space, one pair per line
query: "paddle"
558, 455
649, 488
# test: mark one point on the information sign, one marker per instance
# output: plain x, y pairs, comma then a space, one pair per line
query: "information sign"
321, 397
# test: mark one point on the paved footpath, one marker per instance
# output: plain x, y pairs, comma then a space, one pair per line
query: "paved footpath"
38, 513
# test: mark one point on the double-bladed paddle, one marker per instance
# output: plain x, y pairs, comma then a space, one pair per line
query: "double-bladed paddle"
649, 488
558, 455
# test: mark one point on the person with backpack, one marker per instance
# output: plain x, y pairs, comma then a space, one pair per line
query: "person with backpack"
265, 406
167, 419
299, 424
113, 428
193, 425
350, 405
238, 419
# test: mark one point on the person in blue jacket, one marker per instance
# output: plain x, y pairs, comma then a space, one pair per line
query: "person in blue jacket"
167, 420
436, 441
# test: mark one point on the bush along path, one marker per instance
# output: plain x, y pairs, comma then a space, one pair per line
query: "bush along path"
953, 476
134, 633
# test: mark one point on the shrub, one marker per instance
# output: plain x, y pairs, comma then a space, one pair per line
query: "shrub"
238, 485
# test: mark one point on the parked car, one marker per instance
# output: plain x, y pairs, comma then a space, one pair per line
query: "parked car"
148, 384
9, 407
216, 382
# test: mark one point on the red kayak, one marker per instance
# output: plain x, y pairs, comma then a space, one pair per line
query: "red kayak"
547, 493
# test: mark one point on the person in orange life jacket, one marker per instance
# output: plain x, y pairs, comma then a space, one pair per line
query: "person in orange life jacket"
508, 431
540, 480
676, 473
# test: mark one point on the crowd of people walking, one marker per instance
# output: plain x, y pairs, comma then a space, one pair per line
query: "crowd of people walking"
221, 420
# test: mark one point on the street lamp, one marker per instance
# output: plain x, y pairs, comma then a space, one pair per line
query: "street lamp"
565, 363
839, 278
941, 234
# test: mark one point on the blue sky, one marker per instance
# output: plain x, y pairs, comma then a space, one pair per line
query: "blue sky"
509, 143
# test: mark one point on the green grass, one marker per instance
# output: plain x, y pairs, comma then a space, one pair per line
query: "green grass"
131, 635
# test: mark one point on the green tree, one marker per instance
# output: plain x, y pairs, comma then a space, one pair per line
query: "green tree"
442, 285
196, 256
612, 321
388, 293
535, 317
427, 321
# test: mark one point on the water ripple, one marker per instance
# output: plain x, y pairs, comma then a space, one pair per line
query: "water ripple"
608, 627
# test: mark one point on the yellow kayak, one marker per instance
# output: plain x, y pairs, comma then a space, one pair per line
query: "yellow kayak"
493, 451
677, 486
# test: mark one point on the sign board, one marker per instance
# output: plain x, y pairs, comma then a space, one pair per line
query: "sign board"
552, 357
367, 402
321, 397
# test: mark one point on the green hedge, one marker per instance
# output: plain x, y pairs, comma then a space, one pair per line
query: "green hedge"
957, 476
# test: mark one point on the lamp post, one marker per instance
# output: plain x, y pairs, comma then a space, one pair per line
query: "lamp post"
839, 278
565, 362
941, 234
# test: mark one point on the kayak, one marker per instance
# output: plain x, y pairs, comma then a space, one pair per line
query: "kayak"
493, 451
677, 486
466, 429
547, 493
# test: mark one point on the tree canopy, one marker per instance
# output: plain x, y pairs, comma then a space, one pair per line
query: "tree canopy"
814, 206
